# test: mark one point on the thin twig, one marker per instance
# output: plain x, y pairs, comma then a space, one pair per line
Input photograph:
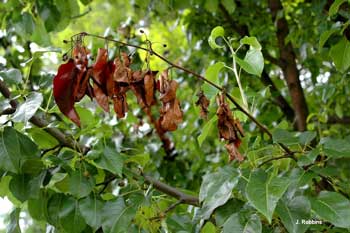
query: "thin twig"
286, 156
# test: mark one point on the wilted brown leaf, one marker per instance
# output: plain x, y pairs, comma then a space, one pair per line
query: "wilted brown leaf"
119, 100
122, 72
171, 115
149, 85
203, 103
233, 152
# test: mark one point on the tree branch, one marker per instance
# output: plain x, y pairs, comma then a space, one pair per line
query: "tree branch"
337, 120
67, 141
289, 66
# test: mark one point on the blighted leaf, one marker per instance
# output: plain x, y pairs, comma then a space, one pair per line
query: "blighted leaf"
232, 149
203, 103
119, 100
122, 72
63, 90
215, 33
149, 84
100, 72
171, 115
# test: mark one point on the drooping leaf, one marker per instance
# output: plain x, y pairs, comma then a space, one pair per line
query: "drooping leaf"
215, 33
63, 85
216, 189
27, 109
203, 103
325, 36
38, 206
333, 9
24, 187
253, 62
91, 210
251, 41
70, 217
340, 54
332, 207
264, 190
150, 86
292, 212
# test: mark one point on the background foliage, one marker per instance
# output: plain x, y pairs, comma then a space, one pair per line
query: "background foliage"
293, 67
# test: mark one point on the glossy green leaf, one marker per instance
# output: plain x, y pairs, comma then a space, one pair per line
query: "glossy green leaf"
207, 129
11, 76
336, 147
116, 216
218, 31
13, 226
208, 228
263, 191
223, 212
15, 149
141, 159
216, 189
253, 62
110, 160
333, 9
340, 54
292, 212
284, 136
80, 185
91, 210
309, 157
42, 138
212, 74
236, 223
38, 206
251, 41
27, 109
332, 207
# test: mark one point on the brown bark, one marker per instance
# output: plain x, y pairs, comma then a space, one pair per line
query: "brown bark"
289, 66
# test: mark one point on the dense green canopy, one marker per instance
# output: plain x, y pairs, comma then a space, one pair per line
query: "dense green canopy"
235, 115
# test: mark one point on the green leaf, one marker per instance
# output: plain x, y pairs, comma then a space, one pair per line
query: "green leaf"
222, 213
116, 216
340, 54
216, 189
335, 147
42, 138
27, 109
13, 226
208, 228
15, 149
24, 186
67, 10
38, 206
332, 207
11, 76
251, 41
308, 158
54, 205
284, 136
293, 211
333, 9
264, 191
306, 137
218, 31
111, 161
80, 185
91, 210
212, 74
207, 128
236, 223
325, 36
229, 5
141, 159
70, 217
253, 62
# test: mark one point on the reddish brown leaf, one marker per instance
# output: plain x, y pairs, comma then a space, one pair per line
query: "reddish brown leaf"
121, 73
171, 115
233, 152
119, 100
100, 72
63, 90
203, 103
149, 85
80, 54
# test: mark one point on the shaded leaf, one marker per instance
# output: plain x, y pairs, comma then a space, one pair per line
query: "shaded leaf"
91, 210
206, 129
333, 9
236, 223
80, 185
336, 147
13, 226
111, 161
11, 76
340, 54
24, 187
70, 217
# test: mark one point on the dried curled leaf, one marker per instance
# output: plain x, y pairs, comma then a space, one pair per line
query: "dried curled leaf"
170, 113
119, 100
100, 72
203, 103
229, 128
149, 85
63, 86
122, 72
